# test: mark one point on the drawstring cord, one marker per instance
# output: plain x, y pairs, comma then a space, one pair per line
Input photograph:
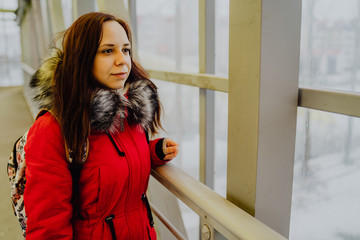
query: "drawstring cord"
144, 198
109, 221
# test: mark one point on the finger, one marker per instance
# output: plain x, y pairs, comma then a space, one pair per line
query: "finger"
169, 156
171, 149
171, 142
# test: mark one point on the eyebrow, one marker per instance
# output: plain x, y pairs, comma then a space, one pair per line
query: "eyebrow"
112, 45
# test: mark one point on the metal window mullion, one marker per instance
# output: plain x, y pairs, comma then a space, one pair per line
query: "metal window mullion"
39, 28
207, 97
34, 43
264, 44
46, 22
279, 74
336, 101
56, 16
133, 21
114, 7
7, 10
118, 9
81, 7
243, 95
329, 100
206, 81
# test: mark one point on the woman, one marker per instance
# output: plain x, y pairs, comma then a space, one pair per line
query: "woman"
102, 106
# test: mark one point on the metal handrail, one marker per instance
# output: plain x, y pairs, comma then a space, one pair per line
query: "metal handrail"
228, 219
167, 223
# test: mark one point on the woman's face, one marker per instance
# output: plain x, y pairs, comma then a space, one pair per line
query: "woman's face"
112, 63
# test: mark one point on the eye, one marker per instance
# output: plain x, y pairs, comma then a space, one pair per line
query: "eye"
107, 51
127, 50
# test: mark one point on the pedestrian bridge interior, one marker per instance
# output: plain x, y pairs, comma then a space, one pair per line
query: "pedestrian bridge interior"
262, 97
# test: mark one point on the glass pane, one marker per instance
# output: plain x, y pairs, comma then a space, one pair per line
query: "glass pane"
221, 127
10, 48
222, 37
181, 122
168, 34
9, 4
191, 221
326, 196
330, 44
67, 12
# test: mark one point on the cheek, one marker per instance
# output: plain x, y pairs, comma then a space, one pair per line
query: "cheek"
102, 67
129, 63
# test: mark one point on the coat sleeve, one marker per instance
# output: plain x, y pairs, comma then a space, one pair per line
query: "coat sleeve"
48, 190
156, 152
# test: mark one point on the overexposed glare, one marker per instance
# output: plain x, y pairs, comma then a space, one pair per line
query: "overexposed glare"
336, 10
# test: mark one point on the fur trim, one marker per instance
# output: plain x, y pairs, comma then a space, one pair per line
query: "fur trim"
108, 107
41, 81
143, 101
108, 111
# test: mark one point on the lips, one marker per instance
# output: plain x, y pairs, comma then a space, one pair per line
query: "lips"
120, 75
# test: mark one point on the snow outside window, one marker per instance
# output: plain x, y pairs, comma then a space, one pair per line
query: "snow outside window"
326, 188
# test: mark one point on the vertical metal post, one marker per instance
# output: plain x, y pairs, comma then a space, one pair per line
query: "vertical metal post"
207, 97
263, 86
118, 9
81, 7
280, 54
244, 95
115, 7
46, 22
39, 28
56, 16
133, 20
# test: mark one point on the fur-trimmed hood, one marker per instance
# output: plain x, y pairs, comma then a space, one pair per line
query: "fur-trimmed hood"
108, 107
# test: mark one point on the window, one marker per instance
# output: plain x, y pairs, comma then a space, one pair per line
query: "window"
10, 48
327, 171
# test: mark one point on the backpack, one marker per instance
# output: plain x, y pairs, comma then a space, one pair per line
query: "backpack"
16, 172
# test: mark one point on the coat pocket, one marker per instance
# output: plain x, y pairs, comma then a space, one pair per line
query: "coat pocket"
112, 187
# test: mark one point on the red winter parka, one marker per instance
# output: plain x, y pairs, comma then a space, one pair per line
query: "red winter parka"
112, 184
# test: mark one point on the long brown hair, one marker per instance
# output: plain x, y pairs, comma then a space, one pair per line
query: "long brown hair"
75, 85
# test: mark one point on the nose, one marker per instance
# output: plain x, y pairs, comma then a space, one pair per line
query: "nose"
119, 59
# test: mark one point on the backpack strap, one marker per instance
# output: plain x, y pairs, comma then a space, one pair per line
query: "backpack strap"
15, 163
75, 169
41, 113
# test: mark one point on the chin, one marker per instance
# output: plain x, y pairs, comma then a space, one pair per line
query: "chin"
118, 86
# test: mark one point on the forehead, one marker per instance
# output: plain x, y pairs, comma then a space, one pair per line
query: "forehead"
113, 32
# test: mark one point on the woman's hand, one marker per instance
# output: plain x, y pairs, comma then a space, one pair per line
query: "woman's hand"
170, 149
